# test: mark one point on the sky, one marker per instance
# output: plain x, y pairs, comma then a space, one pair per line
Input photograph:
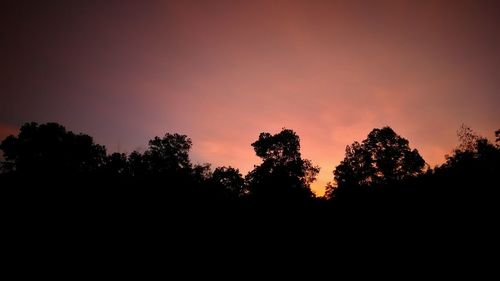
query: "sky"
221, 72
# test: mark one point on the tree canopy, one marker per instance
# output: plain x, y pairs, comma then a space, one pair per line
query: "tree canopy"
382, 170
283, 173
169, 154
473, 154
381, 158
230, 180
50, 149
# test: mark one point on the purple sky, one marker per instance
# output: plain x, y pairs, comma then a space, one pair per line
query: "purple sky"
224, 71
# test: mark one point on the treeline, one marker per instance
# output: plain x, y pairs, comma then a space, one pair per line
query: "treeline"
380, 173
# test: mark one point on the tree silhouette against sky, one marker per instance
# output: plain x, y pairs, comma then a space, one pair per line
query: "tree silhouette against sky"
283, 174
383, 157
48, 152
48, 149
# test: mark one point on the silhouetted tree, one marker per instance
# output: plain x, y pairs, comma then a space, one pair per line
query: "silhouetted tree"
357, 168
230, 180
168, 155
468, 180
137, 164
201, 173
382, 173
330, 190
468, 139
283, 173
117, 164
382, 158
472, 151
497, 135
49, 149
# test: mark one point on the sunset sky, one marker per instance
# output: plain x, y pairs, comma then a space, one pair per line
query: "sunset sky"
221, 72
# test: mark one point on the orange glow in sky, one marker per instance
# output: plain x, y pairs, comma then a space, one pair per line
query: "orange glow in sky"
224, 71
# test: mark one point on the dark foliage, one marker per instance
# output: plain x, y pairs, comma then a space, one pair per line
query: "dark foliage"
48, 149
229, 180
383, 157
283, 174
463, 190
48, 166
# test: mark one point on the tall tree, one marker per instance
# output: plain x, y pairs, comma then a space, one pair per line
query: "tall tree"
283, 173
381, 158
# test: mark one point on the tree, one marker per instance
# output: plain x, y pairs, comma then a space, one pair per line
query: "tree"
330, 190
137, 164
201, 173
497, 135
471, 174
116, 164
168, 155
468, 138
49, 149
283, 173
230, 180
471, 151
383, 157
